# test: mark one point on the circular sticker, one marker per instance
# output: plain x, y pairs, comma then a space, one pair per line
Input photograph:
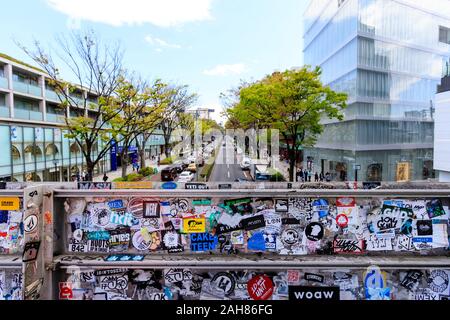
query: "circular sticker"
224, 281
171, 239
30, 223
139, 242
78, 234
290, 237
260, 287
100, 217
136, 207
314, 231
438, 281
342, 220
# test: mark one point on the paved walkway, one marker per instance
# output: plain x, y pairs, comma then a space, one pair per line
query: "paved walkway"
118, 173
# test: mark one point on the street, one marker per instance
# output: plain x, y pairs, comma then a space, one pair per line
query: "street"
227, 168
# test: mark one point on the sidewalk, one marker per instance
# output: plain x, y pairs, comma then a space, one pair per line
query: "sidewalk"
118, 173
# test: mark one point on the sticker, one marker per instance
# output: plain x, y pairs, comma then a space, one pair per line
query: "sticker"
290, 221
435, 209
387, 220
256, 242
342, 220
120, 237
403, 243
237, 237
136, 207
290, 237
30, 251
348, 246
411, 280
140, 243
373, 243
122, 219
224, 282
30, 223
281, 205
98, 235
194, 225
438, 281
125, 257
169, 186
314, 277
65, 291
222, 228
260, 288
203, 242
309, 293
9, 204
172, 241
271, 241
314, 231
100, 215
195, 186
78, 234
108, 272
293, 277
321, 207
345, 202
48, 218
375, 284
117, 283
253, 223
98, 246
175, 275
78, 245
424, 228
151, 209
116, 204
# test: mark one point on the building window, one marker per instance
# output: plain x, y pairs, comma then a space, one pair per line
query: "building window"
20, 77
51, 150
444, 35
31, 152
15, 154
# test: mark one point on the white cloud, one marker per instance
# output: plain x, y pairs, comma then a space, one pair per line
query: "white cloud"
157, 42
226, 70
162, 13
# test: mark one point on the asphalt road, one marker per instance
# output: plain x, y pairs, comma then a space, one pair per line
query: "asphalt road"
227, 168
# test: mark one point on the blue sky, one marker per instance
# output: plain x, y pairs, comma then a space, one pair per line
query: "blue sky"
208, 44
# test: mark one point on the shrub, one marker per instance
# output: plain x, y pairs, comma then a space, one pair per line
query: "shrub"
166, 161
119, 180
148, 171
132, 177
277, 176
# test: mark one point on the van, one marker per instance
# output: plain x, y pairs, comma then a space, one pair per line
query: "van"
169, 174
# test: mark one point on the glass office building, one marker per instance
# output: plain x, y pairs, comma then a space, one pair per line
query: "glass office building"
33, 142
389, 57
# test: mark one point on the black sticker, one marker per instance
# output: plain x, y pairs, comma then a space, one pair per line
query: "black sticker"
424, 227
223, 228
371, 185
109, 272
225, 282
314, 293
314, 277
151, 209
411, 280
31, 251
225, 186
314, 231
195, 186
254, 223
290, 221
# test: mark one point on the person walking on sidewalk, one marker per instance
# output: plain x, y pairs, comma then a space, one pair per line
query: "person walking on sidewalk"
316, 177
305, 175
105, 177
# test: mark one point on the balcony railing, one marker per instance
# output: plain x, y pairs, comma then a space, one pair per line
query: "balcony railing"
4, 112
57, 118
27, 114
51, 95
27, 88
4, 83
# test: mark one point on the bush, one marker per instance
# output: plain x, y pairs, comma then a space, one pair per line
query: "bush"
119, 180
147, 171
132, 177
166, 161
277, 176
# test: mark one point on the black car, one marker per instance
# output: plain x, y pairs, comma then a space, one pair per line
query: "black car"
179, 167
169, 174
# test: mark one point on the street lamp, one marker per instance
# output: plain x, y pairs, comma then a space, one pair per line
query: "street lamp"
56, 162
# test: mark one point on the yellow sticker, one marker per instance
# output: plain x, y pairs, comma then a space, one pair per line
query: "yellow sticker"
146, 235
194, 225
133, 185
12, 204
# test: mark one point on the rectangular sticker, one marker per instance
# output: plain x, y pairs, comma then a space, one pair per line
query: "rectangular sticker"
307, 293
10, 204
254, 223
194, 225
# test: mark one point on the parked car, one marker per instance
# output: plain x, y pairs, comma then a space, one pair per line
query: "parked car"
179, 167
169, 174
186, 176
192, 168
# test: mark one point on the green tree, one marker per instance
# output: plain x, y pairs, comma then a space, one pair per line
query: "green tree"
92, 115
292, 102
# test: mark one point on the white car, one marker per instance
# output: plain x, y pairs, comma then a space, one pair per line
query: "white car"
186, 176
246, 163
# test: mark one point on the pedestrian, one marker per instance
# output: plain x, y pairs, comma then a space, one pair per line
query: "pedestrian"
321, 177
309, 176
328, 177
78, 177
105, 177
300, 175
305, 175
159, 160
316, 177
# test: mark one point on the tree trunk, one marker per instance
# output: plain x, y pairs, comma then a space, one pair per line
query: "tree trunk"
292, 161
166, 148
124, 160
142, 157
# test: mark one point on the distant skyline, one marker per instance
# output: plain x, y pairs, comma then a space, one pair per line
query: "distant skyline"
209, 45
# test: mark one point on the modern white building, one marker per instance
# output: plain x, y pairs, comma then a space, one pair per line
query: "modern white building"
442, 132
201, 113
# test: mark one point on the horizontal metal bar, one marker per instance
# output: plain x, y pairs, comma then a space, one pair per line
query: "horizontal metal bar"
233, 263
11, 193
254, 193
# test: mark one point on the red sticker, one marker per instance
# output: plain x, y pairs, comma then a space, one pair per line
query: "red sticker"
260, 288
345, 202
342, 220
65, 290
